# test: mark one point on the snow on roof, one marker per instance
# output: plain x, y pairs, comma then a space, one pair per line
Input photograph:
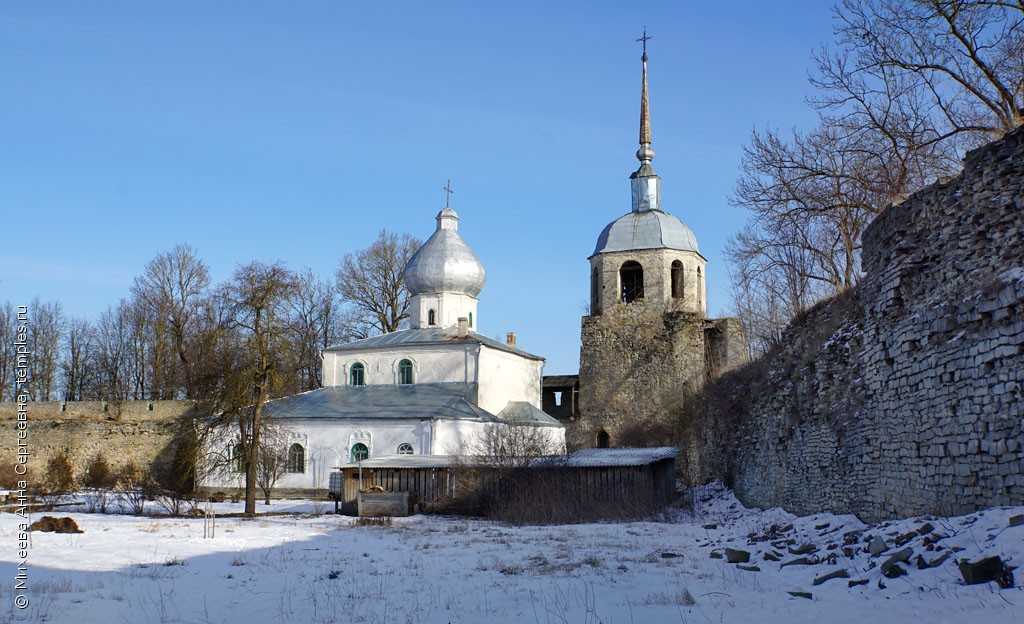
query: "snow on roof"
600, 457
586, 458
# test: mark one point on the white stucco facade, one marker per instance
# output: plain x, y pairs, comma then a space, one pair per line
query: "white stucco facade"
437, 388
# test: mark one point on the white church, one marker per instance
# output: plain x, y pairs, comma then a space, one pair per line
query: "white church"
433, 389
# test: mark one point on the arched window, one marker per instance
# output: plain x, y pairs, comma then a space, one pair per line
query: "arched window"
603, 439
296, 459
357, 375
431, 317
595, 290
700, 286
470, 319
405, 448
631, 276
405, 372
677, 279
359, 452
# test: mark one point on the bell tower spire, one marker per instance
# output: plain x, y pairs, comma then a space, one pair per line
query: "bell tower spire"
644, 182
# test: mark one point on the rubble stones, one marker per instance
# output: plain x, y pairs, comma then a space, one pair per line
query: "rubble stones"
733, 555
840, 573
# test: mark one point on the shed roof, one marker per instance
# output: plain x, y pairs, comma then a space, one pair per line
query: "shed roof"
585, 458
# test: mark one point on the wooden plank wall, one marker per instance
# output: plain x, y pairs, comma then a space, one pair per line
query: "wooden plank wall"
620, 488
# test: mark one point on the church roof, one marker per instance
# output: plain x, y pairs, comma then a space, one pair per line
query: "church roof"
445, 263
523, 413
649, 229
447, 401
428, 336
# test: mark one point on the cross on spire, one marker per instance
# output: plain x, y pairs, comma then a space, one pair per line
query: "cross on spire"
448, 192
644, 38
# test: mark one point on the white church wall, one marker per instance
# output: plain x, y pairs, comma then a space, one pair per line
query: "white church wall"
508, 377
456, 363
448, 309
328, 444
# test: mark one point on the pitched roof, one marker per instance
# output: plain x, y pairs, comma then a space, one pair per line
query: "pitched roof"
523, 413
428, 336
451, 401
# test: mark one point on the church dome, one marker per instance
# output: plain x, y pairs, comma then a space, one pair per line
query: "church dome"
445, 263
648, 229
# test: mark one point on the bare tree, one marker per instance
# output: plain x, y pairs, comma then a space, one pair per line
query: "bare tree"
959, 62
909, 86
7, 353
272, 459
371, 282
512, 446
44, 335
78, 359
317, 322
258, 294
112, 344
170, 288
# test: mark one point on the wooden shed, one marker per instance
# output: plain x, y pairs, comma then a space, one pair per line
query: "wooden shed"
591, 484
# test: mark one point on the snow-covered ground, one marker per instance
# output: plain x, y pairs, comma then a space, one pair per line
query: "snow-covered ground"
323, 568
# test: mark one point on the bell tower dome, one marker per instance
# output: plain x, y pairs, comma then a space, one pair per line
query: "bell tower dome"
647, 256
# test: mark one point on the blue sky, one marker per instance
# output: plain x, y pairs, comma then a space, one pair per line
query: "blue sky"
295, 131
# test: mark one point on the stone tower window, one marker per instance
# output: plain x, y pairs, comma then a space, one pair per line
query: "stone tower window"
677, 279
700, 286
595, 290
631, 276
431, 317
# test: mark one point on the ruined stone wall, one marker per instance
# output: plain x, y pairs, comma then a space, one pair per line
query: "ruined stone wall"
140, 431
636, 362
905, 396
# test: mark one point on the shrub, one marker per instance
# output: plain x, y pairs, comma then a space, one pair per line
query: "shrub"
60, 474
9, 478
99, 474
134, 486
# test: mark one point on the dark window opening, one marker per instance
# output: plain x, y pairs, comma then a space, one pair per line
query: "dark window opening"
359, 452
603, 439
296, 459
595, 290
405, 448
631, 276
677, 279
405, 372
431, 317
357, 375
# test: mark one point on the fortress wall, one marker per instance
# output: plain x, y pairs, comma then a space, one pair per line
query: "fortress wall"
905, 396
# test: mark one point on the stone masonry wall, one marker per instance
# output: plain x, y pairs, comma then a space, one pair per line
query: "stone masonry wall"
903, 397
140, 431
636, 362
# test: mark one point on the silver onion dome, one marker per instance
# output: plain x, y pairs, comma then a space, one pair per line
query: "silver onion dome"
445, 263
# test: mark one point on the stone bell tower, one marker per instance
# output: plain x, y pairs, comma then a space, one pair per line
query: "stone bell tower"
646, 342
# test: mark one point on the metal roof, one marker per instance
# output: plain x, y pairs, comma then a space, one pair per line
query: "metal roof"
452, 401
606, 457
523, 413
445, 263
560, 381
428, 336
648, 229
585, 458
